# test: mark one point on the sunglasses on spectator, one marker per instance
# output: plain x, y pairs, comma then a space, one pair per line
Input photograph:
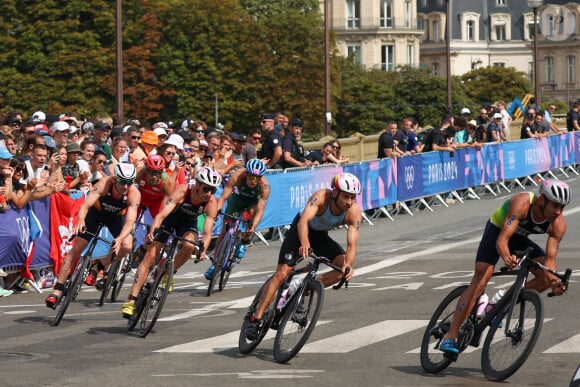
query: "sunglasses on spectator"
336, 146
135, 137
169, 153
257, 138
207, 189
19, 168
124, 181
189, 163
100, 161
190, 149
199, 131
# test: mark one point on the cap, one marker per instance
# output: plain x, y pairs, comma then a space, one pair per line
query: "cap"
41, 127
203, 143
472, 123
186, 123
465, 111
87, 127
38, 116
60, 126
268, 116
496, 115
73, 147
149, 137
102, 125
4, 154
73, 129
160, 124
70, 119
297, 122
241, 137
49, 141
176, 140
160, 131
134, 122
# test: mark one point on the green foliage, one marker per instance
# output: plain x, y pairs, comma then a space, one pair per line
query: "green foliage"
488, 85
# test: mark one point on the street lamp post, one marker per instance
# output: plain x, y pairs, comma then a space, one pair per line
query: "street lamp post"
328, 115
119, 62
448, 53
534, 5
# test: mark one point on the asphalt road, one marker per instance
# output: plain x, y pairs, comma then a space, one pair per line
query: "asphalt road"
368, 335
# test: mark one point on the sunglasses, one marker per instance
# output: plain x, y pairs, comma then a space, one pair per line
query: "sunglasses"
336, 147
100, 161
188, 149
124, 181
135, 137
253, 177
19, 168
207, 189
169, 153
256, 138
199, 131
189, 163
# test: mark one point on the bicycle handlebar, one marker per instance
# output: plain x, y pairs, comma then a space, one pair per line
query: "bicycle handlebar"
328, 262
110, 243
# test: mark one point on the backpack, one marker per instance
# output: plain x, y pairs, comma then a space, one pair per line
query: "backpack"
426, 137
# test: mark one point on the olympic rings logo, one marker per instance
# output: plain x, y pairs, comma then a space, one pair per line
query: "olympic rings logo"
409, 177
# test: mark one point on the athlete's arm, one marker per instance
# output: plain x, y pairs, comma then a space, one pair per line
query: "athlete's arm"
211, 214
261, 205
353, 220
232, 182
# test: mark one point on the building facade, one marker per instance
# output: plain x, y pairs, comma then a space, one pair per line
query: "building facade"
384, 34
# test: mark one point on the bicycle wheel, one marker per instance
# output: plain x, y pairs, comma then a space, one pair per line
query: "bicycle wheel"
503, 354
122, 270
218, 263
298, 321
111, 277
139, 307
432, 359
72, 287
156, 299
244, 344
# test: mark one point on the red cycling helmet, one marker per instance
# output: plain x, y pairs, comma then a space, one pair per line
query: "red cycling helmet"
155, 162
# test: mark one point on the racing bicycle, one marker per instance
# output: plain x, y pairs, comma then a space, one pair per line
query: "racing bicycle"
296, 318
224, 258
514, 325
154, 292
72, 285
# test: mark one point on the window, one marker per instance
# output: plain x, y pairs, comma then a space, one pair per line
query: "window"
498, 64
388, 57
500, 34
551, 26
386, 20
353, 52
470, 33
531, 28
571, 61
500, 2
408, 14
352, 14
411, 55
435, 30
420, 23
550, 69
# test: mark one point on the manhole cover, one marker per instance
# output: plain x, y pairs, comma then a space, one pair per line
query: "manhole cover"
18, 357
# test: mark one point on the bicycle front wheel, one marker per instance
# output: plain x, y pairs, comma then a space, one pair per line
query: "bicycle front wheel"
218, 263
74, 286
111, 277
503, 354
122, 270
432, 359
157, 297
298, 321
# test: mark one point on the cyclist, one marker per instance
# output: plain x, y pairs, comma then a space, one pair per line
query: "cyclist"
156, 187
179, 213
113, 201
507, 230
246, 189
326, 209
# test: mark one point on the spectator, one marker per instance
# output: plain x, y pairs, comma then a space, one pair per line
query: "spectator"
102, 131
506, 119
198, 129
548, 117
214, 142
74, 135
119, 149
254, 142
237, 151
529, 128
387, 146
21, 190
542, 126
441, 139
136, 154
474, 135
293, 150
336, 153
223, 159
271, 152
86, 131
323, 155
483, 117
573, 118
413, 145
465, 112
5, 179
71, 171
97, 166
149, 142
60, 130
10, 143
161, 133
494, 129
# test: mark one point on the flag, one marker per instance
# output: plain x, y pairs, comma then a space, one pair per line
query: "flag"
63, 217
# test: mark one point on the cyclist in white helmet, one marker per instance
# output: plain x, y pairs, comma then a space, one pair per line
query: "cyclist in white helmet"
113, 202
506, 231
179, 214
325, 210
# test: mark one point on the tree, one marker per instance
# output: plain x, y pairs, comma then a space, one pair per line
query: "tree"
488, 85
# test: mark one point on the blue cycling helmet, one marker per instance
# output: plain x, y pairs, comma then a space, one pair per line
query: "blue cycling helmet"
256, 167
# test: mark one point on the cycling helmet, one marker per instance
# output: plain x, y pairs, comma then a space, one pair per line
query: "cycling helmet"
125, 171
556, 191
256, 167
346, 182
209, 177
155, 162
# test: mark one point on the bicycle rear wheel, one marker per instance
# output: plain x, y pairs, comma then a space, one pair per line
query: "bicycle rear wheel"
298, 321
111, 277
123, 268
433, 360
220, 256
156, 299
73, 288
244, 344
503, 354
139, 307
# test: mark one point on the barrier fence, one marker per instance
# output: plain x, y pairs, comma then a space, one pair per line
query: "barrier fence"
37, 236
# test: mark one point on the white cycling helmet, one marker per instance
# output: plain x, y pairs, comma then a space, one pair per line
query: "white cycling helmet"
125, 171
556, 191
346, 182
208, 176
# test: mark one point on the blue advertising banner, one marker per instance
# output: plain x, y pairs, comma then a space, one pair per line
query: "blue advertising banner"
492, 163
561, 150
379, 182
440, 172
410, 177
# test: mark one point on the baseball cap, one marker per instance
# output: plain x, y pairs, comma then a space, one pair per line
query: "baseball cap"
60, 126
496, 115
102, 125
38, 116
268, 116
4, 154
160, 124
160, 131
297, 122
465, 111
49, 141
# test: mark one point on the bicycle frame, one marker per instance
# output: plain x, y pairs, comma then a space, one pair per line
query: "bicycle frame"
232, 236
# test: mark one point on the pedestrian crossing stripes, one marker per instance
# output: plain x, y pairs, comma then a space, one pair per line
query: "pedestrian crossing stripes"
350, 341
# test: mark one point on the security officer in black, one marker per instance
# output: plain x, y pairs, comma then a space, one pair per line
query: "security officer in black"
292, 150
272, 144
